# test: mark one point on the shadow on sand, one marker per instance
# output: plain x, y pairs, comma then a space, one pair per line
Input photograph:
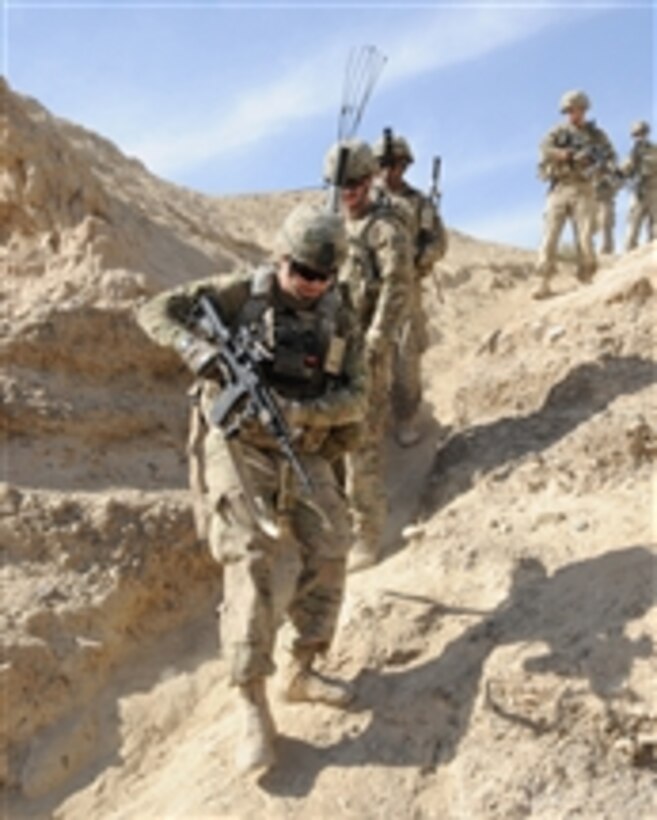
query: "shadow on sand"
583, 393
420, 715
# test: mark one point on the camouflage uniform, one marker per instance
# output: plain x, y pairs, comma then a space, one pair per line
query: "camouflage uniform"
378, 272
429, 245
572, 193
295, 562
641, 169
606, 188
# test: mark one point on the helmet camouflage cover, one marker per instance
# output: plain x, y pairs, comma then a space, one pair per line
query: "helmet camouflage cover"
360, 160
313, 237
639, 128
400, 148
574, 99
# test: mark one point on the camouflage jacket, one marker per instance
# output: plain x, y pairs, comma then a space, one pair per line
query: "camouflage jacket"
379, 270
640, 168
332, 395
425, 223
590, 151
607, 184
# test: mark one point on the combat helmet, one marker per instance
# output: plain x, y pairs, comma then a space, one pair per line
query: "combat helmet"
574, 99
314, 238
640, 128
360, 160
399, 148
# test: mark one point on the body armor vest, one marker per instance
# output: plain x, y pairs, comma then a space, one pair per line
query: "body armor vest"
307, 346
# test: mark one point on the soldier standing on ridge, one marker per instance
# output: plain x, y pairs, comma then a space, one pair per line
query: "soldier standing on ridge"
607, 185
394, 156
570, 154
296, 562
641, 169
379, 274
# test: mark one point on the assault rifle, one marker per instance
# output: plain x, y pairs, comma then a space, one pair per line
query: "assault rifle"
434, 191
388, 158
595, 157
333, 203
426, 231
245, 394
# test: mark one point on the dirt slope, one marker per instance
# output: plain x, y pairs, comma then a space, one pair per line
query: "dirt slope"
503, 651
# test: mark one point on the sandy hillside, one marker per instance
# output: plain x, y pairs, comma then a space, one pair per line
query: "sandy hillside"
504, 650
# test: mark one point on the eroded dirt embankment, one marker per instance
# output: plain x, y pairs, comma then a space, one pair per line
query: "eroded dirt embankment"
503, 652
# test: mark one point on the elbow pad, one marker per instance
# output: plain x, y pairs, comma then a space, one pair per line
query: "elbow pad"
198, 354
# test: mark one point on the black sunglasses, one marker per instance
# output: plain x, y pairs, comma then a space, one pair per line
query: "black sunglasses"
309, 274
352, 184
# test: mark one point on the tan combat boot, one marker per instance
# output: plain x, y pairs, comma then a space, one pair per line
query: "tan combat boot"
408, 434
361, 556
543, 291
306, 685
255, 750
585, 274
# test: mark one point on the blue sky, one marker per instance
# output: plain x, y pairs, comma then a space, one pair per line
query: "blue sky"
239, 97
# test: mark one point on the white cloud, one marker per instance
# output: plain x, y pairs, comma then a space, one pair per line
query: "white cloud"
430, 43
447, 39
261, 113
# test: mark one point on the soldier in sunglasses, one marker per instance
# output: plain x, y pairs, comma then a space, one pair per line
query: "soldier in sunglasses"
283, 551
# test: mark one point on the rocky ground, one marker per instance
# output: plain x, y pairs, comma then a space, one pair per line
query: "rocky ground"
503, 652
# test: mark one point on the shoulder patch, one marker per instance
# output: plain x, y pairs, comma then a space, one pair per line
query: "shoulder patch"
262, 279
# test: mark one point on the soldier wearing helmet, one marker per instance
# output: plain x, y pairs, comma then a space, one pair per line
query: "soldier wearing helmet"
379, 274
295, 563
394, 156
640, 129
573, 155
640, 169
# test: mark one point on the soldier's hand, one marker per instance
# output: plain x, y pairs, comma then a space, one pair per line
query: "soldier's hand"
582, 158
373, 344
563, 154
296, 414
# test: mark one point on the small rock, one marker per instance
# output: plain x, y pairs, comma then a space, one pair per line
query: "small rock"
87, 643
413, 531
641, 441
489, 344
10, 499
547, 518
555, 332
624, 746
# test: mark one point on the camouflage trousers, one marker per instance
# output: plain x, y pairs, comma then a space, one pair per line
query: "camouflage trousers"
643, 210
412, 341
572, 201
365, 466
605, 222
298, 573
